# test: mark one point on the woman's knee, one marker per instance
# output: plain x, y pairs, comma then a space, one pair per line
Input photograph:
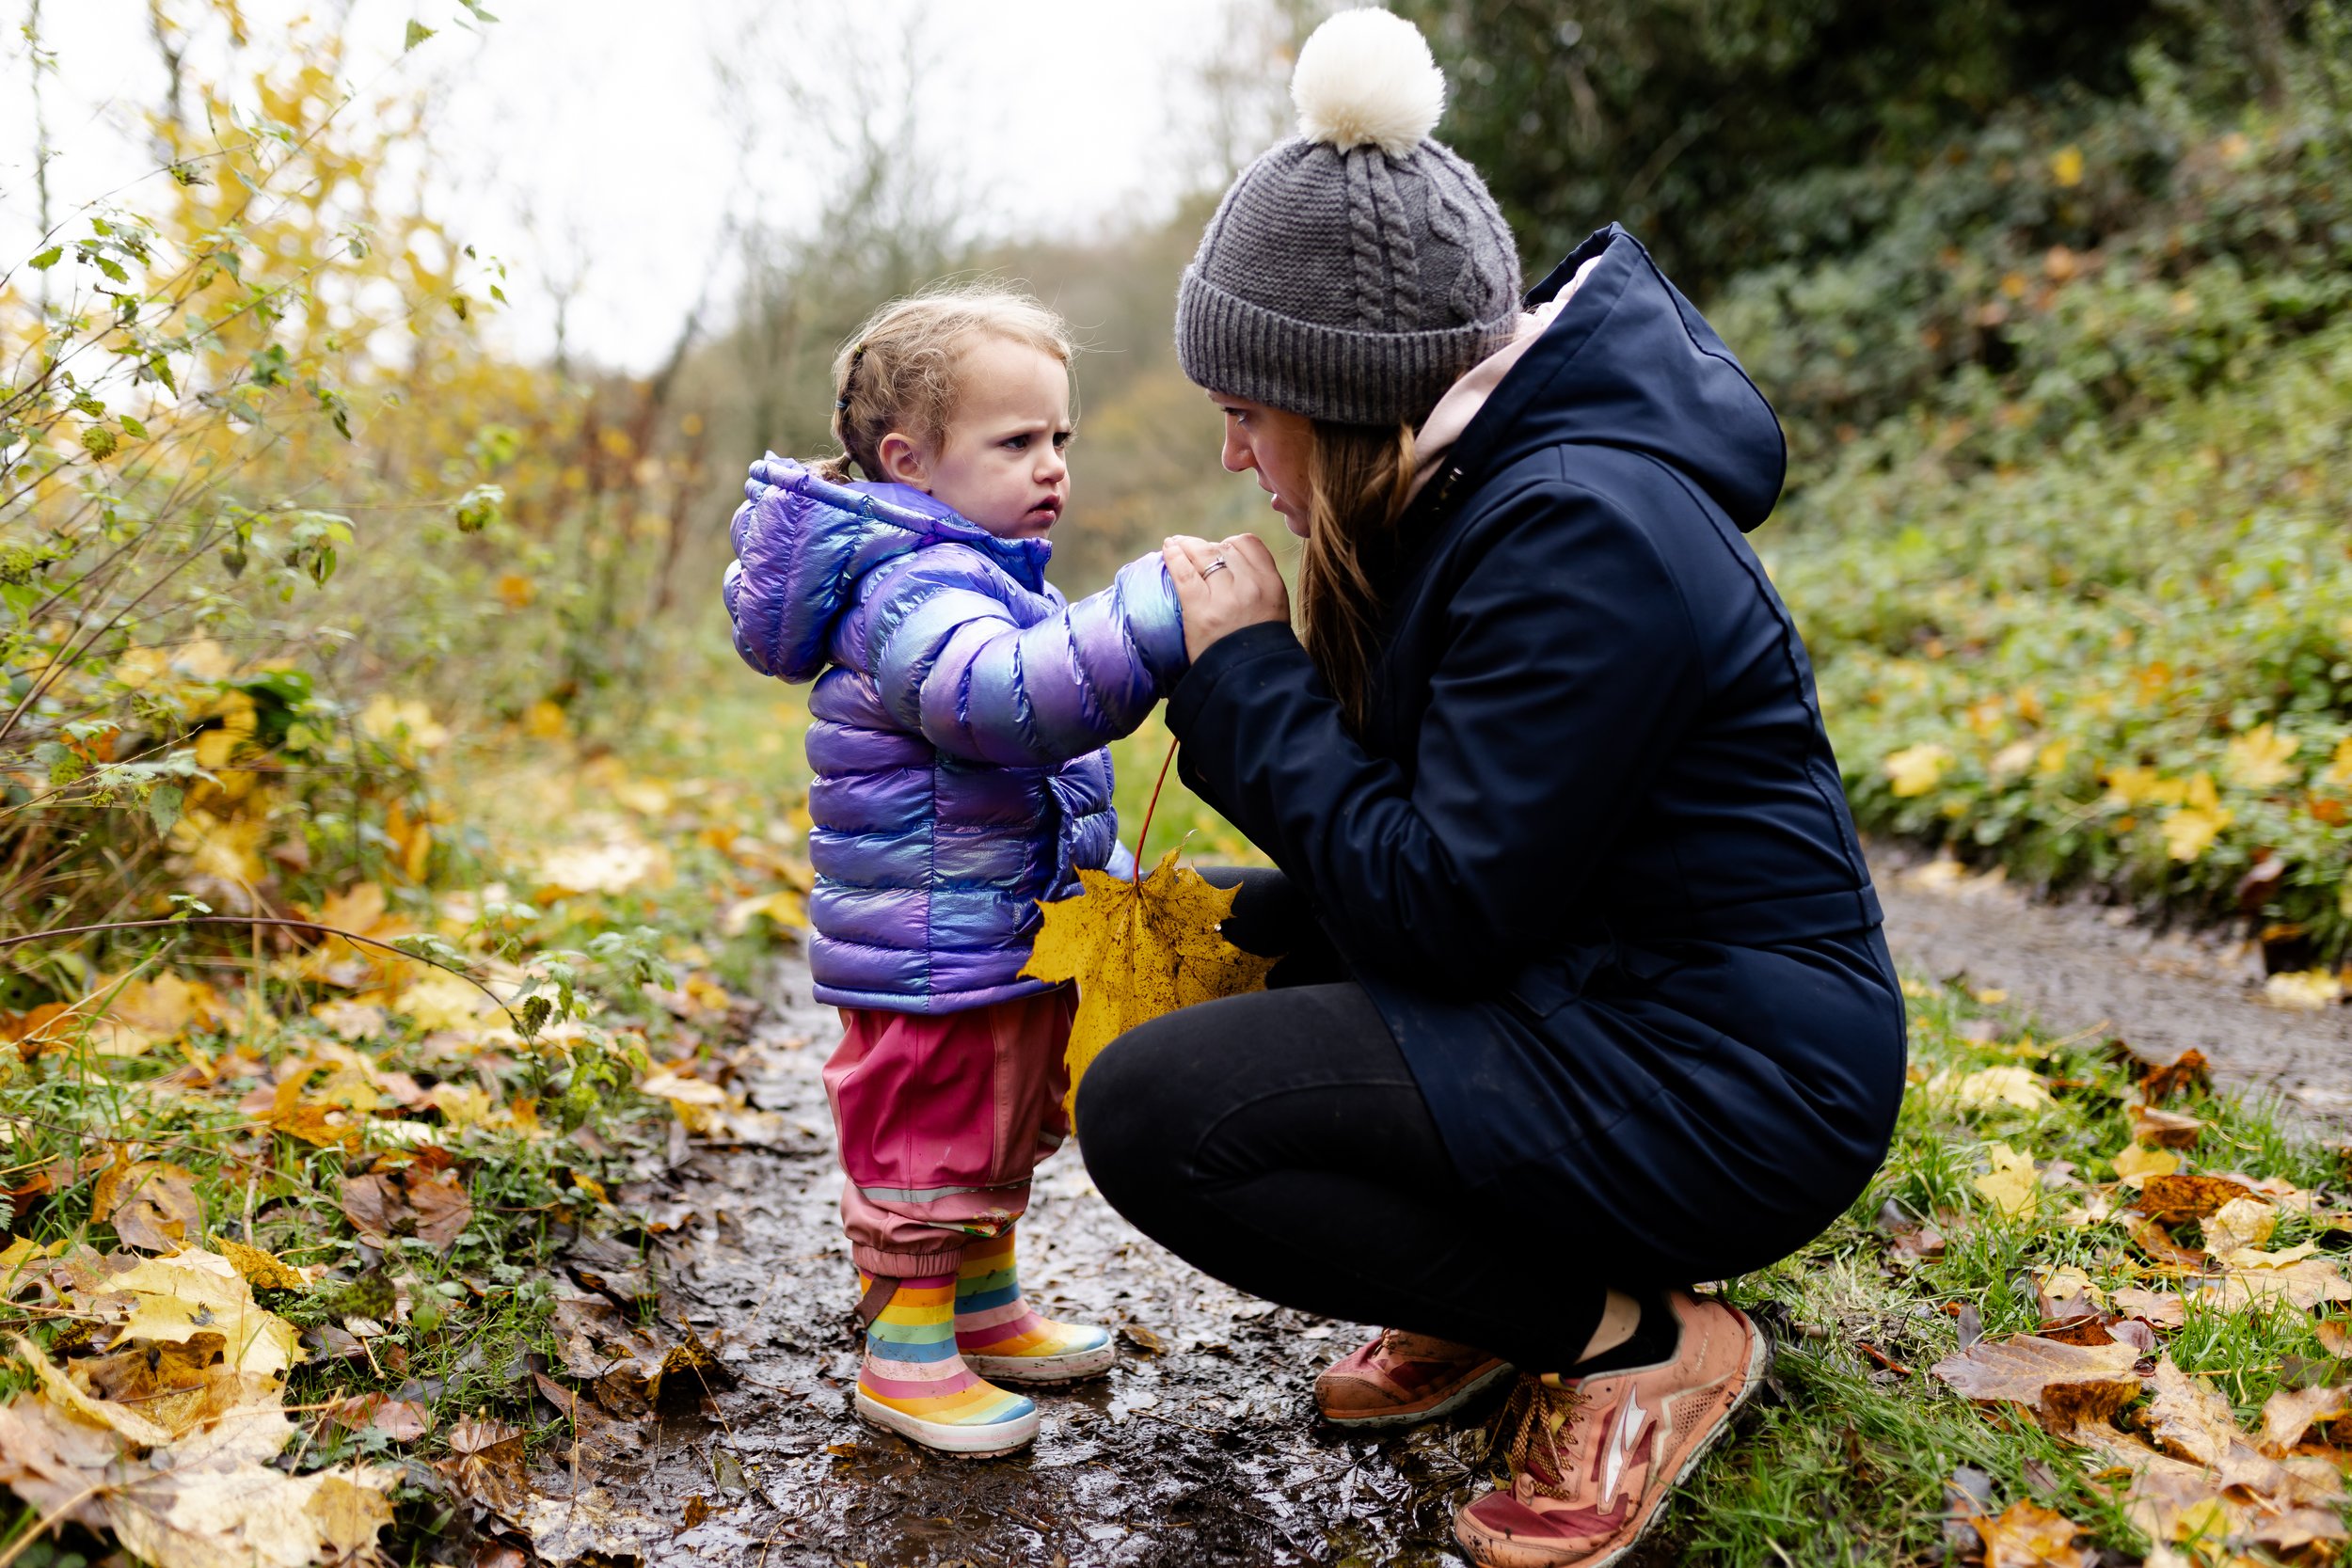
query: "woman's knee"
1130, 1125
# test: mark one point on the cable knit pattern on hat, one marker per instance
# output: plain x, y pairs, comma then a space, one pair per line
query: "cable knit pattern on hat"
1347, 277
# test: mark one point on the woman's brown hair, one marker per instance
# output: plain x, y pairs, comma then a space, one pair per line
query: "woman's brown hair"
1361, 477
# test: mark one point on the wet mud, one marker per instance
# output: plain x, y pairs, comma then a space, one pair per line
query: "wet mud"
1199, 1449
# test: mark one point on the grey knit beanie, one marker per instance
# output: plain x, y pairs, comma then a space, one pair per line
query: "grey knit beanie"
1354, 270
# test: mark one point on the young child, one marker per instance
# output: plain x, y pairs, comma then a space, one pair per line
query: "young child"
959, 778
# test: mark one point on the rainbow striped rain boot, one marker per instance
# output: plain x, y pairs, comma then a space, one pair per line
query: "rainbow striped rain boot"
912, 1381
1003, 1337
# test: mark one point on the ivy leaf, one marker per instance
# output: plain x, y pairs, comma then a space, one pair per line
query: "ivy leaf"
48, 259
1139, 950
417, 33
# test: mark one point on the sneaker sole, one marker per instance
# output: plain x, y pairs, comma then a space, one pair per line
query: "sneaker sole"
1760, 1355
1066, 1368
965, 1442
1438, 1411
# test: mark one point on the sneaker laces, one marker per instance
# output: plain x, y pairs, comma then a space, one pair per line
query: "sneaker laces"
1527, 1429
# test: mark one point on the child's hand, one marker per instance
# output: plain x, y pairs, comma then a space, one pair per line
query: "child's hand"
1225, 587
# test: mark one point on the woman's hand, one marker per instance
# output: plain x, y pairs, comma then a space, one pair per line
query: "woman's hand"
1225, 587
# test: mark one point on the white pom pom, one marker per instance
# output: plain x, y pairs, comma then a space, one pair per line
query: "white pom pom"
1366, 77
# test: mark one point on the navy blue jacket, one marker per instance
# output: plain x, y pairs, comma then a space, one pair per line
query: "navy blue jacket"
1590, 855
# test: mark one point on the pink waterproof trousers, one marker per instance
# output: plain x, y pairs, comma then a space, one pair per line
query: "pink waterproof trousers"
941, 1118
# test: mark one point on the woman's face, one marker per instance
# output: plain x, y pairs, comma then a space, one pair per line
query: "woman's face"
1278, 445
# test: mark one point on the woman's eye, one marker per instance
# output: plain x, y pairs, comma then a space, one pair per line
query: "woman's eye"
1017, 443
1061, 440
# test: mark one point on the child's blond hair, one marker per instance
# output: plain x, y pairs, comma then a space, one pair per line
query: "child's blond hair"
900, 371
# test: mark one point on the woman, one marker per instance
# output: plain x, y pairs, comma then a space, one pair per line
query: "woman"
1585, 998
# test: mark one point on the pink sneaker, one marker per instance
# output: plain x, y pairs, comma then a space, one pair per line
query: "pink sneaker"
1401, 1378
1593, 1458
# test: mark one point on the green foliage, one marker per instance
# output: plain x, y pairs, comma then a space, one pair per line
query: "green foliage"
1732, 134
2067, 537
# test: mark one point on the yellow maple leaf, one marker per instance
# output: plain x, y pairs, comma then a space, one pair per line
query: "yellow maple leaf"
2013, 1087
2190, 831
2339, 774
2011, 1186
2138, 1160
2258, 758
1917, 769
1138, 950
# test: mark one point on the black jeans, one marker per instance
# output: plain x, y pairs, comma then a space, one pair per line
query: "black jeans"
1278, 1141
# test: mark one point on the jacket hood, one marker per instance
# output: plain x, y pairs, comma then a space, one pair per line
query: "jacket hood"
1628, 362
802, 543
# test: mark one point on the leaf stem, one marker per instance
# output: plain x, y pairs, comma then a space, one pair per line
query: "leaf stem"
1144, 833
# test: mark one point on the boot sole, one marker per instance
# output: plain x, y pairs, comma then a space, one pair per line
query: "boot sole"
1384, 1420
965, 1442
1066, 1368
1759, 1356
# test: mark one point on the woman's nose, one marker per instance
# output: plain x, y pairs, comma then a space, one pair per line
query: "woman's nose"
1238, 458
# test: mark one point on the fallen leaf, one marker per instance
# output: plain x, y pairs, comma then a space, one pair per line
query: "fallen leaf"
154, 1208
2068, 1293
260, 1267
2335, 1335
2242, 1222
1138, 951
2289, 1412
487, 1467
2013, 1087
2187, 1072
563, 1530
374, 1206
2166, 1128
2155, 1241
2026, 1535
442, 1209
2164, 1308
2064, 1385
2138, 1160
2255, 1258
2012, 1185
2185, 1416
2170, 1200
2306, 1284
197, 1291
1143, 1338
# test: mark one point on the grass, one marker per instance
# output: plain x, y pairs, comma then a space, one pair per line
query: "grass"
1850, 1463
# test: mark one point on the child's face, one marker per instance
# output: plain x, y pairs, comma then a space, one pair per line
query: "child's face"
1001, 463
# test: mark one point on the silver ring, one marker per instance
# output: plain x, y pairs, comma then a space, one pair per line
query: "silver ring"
1217, 564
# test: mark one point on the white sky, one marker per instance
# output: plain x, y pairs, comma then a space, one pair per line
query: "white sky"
597, 129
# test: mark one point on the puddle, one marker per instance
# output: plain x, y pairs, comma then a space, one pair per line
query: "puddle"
1205, 1453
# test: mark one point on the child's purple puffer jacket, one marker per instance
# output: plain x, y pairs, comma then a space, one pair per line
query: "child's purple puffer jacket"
958, 742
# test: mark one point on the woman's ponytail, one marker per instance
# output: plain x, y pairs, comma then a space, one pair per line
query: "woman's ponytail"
1361, 477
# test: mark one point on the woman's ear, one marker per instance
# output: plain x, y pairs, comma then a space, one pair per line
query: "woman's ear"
902, 462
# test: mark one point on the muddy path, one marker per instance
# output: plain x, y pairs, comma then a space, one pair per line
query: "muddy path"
1200, 1449
2079, 965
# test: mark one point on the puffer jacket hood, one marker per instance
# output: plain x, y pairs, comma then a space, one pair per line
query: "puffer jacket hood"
957, 730
1629, 362
821, 538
